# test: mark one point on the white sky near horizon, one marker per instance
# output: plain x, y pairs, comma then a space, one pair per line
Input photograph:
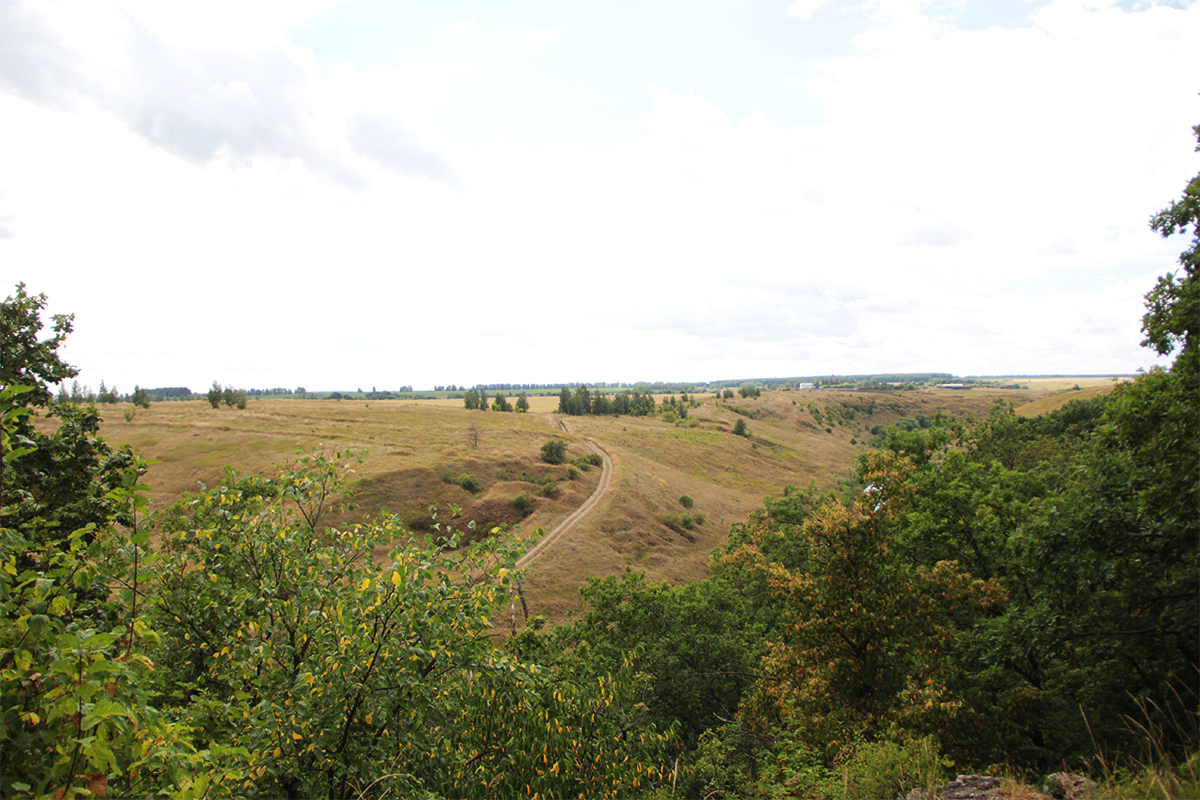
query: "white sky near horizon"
358, 194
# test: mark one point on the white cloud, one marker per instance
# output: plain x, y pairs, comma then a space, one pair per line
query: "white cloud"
463, 25
535, 39
975, 204
805, 8
189, 86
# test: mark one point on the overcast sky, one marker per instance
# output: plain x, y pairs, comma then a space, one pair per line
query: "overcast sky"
375, 193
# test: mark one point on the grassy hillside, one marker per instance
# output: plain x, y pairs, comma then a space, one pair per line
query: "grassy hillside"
1060, 391
415, 447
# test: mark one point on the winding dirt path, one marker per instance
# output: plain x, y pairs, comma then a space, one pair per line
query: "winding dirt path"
602, 487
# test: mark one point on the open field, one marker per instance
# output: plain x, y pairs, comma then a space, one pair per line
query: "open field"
795, 438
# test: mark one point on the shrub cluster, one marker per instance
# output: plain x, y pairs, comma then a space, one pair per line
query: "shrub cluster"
588, 460
466, 481
681, 522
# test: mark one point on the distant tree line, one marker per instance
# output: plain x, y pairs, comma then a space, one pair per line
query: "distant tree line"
635, 403
83, 395
476, 400
277, 390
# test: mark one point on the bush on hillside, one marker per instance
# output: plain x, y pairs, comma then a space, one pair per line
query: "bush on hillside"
554, 452
523, 503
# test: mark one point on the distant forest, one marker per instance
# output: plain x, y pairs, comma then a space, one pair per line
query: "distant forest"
77, 393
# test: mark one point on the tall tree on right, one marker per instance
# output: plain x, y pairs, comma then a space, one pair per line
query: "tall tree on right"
1116, 550
1174, 303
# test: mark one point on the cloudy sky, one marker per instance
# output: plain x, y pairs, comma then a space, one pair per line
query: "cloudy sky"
378, 193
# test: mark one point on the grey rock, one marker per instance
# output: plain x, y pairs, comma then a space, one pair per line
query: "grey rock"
1068, 786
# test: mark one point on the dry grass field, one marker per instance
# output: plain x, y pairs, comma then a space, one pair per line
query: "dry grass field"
413, 446
1060, 391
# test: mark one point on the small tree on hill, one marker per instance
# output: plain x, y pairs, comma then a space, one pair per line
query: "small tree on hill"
554, 452
740, 429
106, 395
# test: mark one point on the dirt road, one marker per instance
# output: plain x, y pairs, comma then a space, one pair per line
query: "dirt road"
601, 489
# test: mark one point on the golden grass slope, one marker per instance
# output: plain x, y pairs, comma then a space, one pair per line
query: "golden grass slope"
794, 438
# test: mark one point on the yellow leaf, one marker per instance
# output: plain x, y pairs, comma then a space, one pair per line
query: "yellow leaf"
366, 584
396, 578
278, 752
297, 736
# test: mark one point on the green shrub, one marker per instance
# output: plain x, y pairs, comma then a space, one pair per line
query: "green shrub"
677, 521
686, 501
470, 483
549, 489
523, 503
891, 769
682, 522
587, 461
572, 474
554, 452
740, 429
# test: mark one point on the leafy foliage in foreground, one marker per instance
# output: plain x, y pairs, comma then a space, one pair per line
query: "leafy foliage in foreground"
337, 676
277, 658
273, 656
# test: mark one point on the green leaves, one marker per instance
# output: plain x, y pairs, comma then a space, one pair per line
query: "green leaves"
330, 669
24, 357
864, 648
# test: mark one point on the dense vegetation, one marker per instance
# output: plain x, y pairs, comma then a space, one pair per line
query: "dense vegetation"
1002, 593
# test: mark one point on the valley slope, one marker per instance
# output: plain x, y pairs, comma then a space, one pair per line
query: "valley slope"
417, 452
